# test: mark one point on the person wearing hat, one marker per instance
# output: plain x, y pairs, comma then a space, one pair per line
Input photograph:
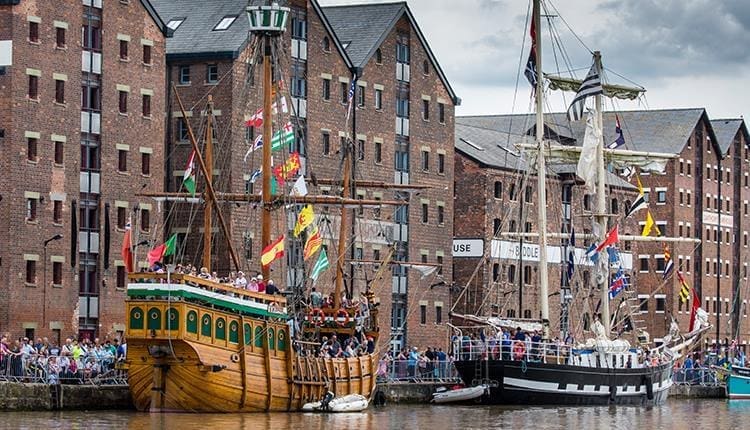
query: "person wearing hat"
241, 281
261, 284
253, 285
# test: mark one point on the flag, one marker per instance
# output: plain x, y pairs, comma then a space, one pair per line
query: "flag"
684, 288
619, 283
320, 266
257, 144
290, 167
649, 225
299, 188
350, 97
305, 217
284, 107
273, 251
164, 250
531, 70
620, 140
188, 178
256, 120
614, 256
586, 168
694, 311
592, 254
640, 202
590, 86
668, 263
313, 243
256, 174
571, 253
611, 239
284, 136
127, 248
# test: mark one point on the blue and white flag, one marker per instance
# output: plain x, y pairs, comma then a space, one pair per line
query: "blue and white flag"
620, 140
619, 283
257, 144
254, 177
590, 86
614, 256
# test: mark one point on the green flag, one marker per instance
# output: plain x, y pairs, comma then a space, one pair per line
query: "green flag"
320, 266
188, 178
284, 136
170, 245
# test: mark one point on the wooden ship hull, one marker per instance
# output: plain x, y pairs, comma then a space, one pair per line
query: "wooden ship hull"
194, 354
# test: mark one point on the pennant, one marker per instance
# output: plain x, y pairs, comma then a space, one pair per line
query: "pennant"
256, 120
619, 283
257, 144
586, 168
288, 169
320, 266
299, 188
273, 251
620, 140
305, 217
531, 69
164, 250
313, 243
592, 253
285, 136
684, 288
611, 239
571, 253
650, 224
188, 177
591, 86
640, 202
256, 174
127, 248
668, 263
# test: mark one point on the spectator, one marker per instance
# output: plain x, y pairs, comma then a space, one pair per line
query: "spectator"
271, 288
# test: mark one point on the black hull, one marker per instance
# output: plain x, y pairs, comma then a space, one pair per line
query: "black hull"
531, 383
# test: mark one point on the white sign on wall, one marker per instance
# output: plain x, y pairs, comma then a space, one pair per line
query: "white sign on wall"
6, 53
470, 248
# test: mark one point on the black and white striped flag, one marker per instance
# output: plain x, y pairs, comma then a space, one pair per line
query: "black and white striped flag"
590, 86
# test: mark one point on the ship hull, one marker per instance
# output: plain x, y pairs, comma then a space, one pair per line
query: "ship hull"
535, 383
738, 384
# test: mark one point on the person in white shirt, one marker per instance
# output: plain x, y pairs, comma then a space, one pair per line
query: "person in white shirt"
241, 281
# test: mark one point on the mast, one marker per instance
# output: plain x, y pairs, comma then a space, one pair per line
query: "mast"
541, 178
601, 201
267, 135
207, 208
342, 237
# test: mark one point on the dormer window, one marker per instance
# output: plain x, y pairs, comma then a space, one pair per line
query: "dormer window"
173, 24
225, 23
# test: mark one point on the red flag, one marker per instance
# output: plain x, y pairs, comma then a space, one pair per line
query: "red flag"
273, 251
156, 254
694, 310
127, 249
256, 120
611, 239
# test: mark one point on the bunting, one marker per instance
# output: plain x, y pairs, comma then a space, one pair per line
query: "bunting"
640, 202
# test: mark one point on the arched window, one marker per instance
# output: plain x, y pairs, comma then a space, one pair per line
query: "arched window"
326, 44
426, 67
379, 56
615, 206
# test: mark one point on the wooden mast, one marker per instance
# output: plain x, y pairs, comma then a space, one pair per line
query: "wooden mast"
210, 193
208, 208
267, 136
342, 228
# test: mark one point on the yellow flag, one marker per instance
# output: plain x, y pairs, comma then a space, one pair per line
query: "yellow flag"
649, 225
305, 218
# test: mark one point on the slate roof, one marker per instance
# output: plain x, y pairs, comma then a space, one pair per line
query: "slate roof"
195, 36
362, 28
664, 130
726, 130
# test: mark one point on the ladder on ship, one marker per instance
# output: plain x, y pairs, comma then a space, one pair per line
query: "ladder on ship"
633, 310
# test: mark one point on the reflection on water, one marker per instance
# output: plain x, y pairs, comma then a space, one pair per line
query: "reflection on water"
681, 414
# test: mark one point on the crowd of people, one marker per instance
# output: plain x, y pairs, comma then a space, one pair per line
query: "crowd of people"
414, 365
26, 360
255, 284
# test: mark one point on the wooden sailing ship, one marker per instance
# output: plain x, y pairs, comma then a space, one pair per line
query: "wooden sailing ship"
195, 345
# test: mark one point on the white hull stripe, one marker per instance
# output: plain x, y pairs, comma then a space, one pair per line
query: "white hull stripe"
552, 387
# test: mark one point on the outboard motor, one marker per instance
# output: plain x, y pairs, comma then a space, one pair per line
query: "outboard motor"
326, 400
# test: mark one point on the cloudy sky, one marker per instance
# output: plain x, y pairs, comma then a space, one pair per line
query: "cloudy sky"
686, 53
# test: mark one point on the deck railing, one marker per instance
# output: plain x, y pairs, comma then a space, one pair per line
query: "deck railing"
87, 370
495, 349
703, 376
442, 372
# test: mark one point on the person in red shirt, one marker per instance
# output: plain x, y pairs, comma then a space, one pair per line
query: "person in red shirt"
261, 284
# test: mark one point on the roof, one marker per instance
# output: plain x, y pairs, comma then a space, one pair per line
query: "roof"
362, 28
726, 130
664, 130
496, 149
157, 19
195, 36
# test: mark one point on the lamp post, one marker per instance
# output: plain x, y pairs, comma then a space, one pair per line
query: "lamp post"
44, 287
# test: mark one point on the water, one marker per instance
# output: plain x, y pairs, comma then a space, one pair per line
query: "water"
676, 413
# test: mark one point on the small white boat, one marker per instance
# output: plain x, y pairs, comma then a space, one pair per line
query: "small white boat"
348, 403
459, 395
